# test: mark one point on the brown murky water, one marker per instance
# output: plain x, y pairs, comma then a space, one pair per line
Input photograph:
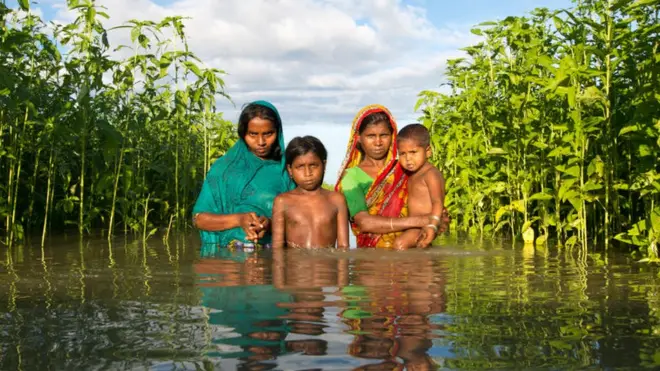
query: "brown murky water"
89, 306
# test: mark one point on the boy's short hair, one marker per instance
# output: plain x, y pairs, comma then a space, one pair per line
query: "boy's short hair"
300, 146
417, 132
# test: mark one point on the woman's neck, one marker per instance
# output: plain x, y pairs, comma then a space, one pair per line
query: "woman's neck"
370, 162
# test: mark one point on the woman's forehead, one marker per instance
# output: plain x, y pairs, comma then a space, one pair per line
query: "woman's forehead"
258, 124
378, 128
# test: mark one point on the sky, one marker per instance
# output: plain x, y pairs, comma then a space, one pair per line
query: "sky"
320, 61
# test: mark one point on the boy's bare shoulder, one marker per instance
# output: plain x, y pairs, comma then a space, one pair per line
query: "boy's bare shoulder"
427, 172
334, 196
433, 171
282, 198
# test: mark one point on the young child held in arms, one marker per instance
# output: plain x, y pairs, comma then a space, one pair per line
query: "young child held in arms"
309, 216
426, 186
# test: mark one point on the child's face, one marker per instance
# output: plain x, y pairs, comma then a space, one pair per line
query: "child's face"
260, 137
307, 171
412, 156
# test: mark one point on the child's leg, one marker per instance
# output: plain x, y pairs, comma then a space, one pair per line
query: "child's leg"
407, 239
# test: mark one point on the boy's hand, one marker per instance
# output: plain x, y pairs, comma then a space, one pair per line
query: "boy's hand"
445, 221
426, 236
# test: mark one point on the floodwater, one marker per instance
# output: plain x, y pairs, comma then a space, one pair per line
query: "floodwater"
465, 305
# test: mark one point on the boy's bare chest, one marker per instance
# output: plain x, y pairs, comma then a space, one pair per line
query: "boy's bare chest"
419, 198
315, 211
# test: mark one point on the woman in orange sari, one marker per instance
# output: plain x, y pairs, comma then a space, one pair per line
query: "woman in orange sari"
373, 183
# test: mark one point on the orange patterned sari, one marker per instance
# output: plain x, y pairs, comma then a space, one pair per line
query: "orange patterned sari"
388, 195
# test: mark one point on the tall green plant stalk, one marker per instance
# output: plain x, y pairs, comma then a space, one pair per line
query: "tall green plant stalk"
102, 149
562, 90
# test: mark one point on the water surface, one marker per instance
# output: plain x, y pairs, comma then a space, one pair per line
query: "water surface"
466, 305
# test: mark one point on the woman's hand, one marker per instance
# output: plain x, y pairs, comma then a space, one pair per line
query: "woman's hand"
263, 227
249, 223
255, 227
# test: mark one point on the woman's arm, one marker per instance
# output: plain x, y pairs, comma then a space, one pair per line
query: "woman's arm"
221, 222
381, 224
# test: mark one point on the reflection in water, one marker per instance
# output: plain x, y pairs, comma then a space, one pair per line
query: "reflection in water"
244, 306
390, 317
128, 305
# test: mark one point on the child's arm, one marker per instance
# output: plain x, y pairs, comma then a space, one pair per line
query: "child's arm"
436, 186
342, 221
278, 227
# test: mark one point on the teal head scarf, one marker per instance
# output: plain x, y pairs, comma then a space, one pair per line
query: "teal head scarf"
241, 182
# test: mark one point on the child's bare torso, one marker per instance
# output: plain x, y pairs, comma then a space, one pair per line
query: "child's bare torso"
419, 197
311, 219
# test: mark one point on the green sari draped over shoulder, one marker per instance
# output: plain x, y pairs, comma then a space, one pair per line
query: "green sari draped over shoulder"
241, 182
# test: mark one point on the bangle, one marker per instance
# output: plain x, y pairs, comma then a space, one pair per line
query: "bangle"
435, 217
391, 226
433, 226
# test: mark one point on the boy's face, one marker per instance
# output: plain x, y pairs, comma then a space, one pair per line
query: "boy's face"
307, 171
412, 156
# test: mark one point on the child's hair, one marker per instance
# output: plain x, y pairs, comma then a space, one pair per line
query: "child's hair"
300, 146
416, 132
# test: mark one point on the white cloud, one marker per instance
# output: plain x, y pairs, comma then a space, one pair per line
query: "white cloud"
318, 61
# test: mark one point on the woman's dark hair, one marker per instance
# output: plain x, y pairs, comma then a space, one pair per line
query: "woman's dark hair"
300, 146
252, 111
373, 119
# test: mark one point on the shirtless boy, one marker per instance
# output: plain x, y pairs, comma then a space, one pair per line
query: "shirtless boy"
426, 186
309, 216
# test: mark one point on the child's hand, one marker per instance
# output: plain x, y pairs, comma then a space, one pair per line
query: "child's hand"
426, 236
445, 221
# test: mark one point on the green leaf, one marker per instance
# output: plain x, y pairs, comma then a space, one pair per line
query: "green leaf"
518, 205
644, 150
596, 166
541, 240
496, 151
628, 129
655, 221
541, 197
573, 171
500, 213
194, 68
591, 186
24, 4
571, 241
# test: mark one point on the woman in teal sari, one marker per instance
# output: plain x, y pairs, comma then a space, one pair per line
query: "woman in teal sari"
236, 201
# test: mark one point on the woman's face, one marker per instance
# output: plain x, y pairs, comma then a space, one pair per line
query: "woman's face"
376, 140
260, 137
